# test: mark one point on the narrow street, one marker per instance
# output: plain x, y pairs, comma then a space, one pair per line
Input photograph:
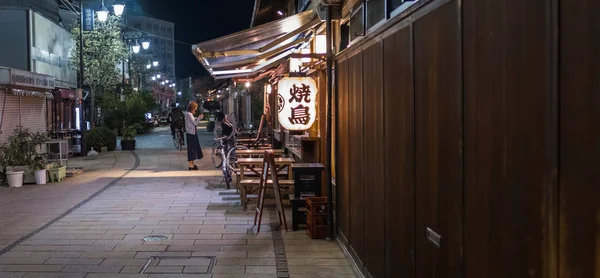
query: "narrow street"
94, 224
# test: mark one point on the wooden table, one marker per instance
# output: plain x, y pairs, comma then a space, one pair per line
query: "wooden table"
251, 163
261, 153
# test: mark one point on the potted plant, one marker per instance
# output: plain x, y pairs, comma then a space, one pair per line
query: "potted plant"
9, 157
57, 172
22, 148
128, 140
38, 165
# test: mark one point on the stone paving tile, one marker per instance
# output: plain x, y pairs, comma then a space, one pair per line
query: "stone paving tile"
317, 262
13, 274
73, 261
315, 255
139, 248
194, 248
93, 268
262, 275
164, 269
146, 255
195, 269
180, 276
134, 262
261, 269
109, 255
53, 275
246, 261
91, 248
23, 261
114, 275
322, 275
34, 268
343, 270
222, 254
229, 269
132, 269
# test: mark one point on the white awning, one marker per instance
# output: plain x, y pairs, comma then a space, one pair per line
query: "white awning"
256, 49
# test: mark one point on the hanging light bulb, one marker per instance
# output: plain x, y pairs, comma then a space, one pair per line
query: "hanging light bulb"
153, 78
102, 13
158, 76
119, 7
148, 66
248, 84
145, 43
155, 63
136, 48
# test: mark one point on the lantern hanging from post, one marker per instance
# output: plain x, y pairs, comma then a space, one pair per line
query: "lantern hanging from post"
297, 102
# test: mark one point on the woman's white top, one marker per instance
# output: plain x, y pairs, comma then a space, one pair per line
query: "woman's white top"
190, 123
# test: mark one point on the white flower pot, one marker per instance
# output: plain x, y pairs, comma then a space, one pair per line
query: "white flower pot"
40, 177
15, 179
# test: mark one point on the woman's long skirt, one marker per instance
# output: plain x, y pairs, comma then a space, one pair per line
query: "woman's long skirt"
193, 149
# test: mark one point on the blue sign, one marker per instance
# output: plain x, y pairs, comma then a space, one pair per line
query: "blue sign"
88, 20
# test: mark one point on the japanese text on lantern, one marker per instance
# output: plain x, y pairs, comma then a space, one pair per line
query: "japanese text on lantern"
297, 102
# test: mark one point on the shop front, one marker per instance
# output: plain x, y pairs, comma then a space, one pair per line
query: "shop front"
23, 101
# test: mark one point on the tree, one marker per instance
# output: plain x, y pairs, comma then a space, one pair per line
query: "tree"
103, 49
163, 95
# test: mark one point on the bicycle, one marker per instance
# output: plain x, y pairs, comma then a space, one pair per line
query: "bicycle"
224, 153
178, 139
217, 156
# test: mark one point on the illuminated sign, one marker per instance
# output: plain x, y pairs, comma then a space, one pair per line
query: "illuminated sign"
297, 102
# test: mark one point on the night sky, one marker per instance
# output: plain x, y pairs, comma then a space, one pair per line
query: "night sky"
197, 21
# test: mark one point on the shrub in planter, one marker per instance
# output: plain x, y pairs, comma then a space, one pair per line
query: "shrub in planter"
57, 172
21, 151
128, 141
38, 164
139, 129
101, 137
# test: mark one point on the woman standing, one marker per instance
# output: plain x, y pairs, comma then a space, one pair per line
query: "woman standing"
191, 134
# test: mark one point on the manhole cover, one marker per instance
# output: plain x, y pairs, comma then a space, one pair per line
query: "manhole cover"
155, 238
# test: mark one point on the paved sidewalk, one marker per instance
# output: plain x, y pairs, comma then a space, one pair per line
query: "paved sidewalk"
206, 236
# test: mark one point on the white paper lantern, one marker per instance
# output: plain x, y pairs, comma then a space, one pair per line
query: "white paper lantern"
297, 102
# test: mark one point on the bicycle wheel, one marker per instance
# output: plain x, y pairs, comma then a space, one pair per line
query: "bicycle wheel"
217, 155
232, 157
180, 142
227, 176
176, 141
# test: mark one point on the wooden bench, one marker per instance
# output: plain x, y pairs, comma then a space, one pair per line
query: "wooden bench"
248, 186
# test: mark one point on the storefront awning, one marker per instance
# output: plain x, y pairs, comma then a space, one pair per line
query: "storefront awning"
29, 93
257, 49
26, 84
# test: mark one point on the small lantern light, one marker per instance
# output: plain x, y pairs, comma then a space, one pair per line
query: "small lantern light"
119, 7
102, 13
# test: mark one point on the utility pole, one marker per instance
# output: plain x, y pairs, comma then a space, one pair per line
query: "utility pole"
82, 125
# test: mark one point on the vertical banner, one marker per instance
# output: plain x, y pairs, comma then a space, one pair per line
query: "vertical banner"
88, 20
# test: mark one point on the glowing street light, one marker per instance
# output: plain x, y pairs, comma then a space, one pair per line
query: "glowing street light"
145, 44
119, 7
136, 48
153, 78
102, 13
155, 63
158, 76
179, 93
148, 66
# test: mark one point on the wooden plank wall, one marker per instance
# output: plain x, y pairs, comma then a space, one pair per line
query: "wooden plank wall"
579, 139
479, 119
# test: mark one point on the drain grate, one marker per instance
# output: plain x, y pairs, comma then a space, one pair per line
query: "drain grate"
180, 265
155, 238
